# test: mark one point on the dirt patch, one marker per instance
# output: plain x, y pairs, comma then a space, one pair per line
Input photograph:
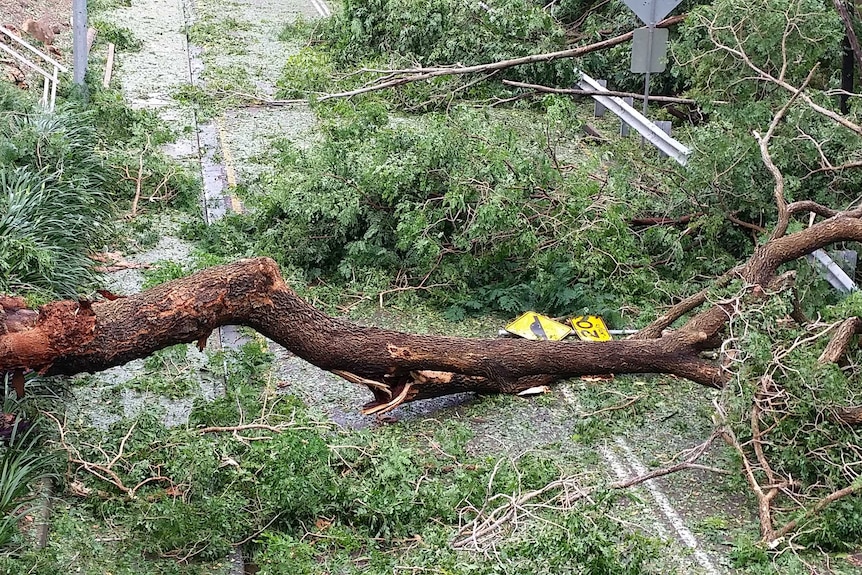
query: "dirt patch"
53, 12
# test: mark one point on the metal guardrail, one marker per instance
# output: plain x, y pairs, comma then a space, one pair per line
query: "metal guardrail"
49, 89
651, 133
831, 272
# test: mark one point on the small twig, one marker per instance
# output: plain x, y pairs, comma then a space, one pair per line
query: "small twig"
629, 401
486, 524
246, 427
101, 471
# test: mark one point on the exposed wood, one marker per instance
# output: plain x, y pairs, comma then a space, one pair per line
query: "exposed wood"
109, 66
70, 337
840, 341
848, 415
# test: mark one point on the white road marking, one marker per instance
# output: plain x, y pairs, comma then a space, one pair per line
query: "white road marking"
622, 472
321, 7
669, 512
664, 504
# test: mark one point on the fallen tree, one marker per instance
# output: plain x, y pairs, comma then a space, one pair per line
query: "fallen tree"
789, 421
69, 337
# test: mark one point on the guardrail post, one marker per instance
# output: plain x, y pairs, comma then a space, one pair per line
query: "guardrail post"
624, 128
599, 109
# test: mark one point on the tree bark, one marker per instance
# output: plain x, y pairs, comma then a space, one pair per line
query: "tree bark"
69, 337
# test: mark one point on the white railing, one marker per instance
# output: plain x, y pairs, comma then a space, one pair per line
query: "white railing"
49, 89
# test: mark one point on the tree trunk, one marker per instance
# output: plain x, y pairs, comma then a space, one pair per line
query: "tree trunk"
70, 337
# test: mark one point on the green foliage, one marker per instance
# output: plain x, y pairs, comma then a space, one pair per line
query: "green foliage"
123, 38
208, 28
246, 370
811, 32
471, 201
727, 169
23, 464
399, 33
50, 218
59, 186
441, 31
120, 126
298, 29
163, 271
801, 437
167, 373
307, 72
314, 499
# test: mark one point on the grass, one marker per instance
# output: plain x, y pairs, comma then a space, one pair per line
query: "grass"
24, 465
53, 203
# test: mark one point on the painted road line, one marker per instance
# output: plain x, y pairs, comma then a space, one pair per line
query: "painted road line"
667, 509
230, 172
321, 7
623, 473
664, 504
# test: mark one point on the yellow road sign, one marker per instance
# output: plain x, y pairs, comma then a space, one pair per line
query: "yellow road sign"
591, 328
536, 326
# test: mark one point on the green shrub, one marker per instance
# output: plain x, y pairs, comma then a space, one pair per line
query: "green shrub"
470, 203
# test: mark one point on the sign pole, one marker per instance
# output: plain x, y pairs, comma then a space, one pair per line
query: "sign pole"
79, 40
650, 34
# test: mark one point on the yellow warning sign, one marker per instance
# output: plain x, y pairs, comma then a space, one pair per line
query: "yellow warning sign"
536, 326
591, 328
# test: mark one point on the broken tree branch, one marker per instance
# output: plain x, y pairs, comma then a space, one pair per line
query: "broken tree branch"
395, 78
574, 92
839, 343
70, 337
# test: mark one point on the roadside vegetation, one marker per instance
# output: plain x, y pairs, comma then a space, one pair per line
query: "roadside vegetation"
462, 197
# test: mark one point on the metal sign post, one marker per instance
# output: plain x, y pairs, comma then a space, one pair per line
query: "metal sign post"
650, 33
648, 45
79, 40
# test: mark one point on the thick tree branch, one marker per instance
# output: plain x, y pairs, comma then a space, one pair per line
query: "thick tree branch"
840, 341
761, 268
70, 337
